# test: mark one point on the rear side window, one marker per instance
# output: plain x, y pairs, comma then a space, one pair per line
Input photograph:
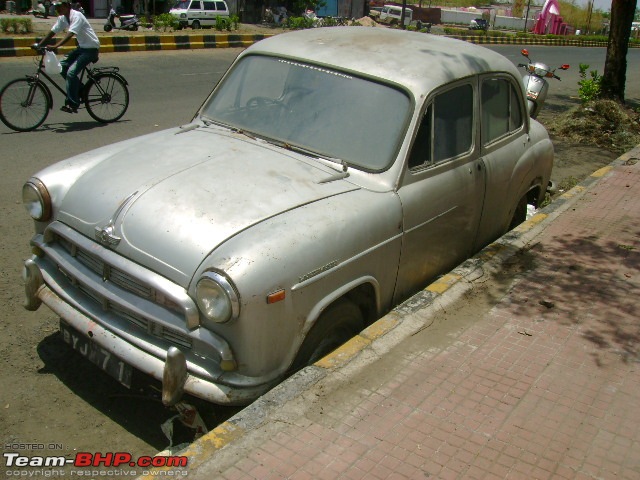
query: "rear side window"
220, 6
501, 110
195, 5
209, 5
446, 130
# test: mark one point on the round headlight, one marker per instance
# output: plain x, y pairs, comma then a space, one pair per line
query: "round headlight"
540, 71
217, 299
37, 200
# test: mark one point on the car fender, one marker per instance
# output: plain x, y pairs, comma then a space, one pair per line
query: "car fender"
314, 254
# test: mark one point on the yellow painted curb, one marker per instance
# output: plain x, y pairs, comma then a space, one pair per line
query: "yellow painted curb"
200, 451
444, 283
380, 327
490, 251
532, 222
602, 172
343, 354
573, 192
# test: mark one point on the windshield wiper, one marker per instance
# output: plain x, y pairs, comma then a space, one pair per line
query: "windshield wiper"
243, 132
209, 121
187, 128
339, 175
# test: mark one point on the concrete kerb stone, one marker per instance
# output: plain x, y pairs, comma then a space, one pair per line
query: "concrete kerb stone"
415, 314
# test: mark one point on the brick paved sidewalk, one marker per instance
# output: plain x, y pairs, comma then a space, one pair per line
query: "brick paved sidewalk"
545, 383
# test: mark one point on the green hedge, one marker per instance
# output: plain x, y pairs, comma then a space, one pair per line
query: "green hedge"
16, 25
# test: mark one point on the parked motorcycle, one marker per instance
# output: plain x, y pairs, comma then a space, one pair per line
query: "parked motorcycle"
127, 22
535, 82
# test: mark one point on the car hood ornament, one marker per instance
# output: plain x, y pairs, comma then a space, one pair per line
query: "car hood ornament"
106, 235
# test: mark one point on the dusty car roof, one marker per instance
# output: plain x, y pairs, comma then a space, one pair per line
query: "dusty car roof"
417, 60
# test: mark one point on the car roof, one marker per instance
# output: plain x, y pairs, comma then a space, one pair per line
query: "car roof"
418, 61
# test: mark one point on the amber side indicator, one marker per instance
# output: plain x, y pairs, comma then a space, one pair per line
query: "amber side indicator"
276, 296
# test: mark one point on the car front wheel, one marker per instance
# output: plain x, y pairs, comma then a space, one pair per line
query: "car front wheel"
338, 323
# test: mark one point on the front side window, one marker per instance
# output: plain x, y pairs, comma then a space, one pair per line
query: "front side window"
446, 130
501, 111
327, 112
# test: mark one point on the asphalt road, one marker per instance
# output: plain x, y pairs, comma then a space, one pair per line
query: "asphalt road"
46, 395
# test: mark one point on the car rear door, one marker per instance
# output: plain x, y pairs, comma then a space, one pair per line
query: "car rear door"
504, 141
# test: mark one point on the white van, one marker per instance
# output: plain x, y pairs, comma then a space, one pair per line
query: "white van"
199, 13
391, 15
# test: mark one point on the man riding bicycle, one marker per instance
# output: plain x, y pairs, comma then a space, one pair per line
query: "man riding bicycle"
87, 52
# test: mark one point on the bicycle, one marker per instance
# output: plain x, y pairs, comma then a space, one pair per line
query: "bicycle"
25, 102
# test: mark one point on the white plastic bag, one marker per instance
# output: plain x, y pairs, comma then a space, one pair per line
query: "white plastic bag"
51, 63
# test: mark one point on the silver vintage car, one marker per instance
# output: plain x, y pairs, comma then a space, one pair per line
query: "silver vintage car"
330, 175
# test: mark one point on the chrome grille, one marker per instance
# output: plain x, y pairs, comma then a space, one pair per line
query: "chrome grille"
122, 279
118, 277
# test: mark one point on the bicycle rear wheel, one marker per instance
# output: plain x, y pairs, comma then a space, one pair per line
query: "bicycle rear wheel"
106, 97
24, 105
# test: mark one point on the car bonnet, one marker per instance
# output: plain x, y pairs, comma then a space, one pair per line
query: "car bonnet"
172, 199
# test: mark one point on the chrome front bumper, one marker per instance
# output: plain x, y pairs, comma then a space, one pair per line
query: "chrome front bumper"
168, 366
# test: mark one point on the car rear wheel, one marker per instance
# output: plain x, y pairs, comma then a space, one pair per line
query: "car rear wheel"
195, 25
338, 323
519, 214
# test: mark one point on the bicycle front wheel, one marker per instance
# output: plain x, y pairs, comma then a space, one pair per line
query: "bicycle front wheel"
24, 105
107, 97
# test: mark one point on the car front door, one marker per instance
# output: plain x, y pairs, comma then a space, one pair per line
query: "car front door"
442, 189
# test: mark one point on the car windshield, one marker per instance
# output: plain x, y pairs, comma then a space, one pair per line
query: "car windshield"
333, 114
182, 5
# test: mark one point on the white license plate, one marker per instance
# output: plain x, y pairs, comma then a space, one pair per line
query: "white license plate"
97, 355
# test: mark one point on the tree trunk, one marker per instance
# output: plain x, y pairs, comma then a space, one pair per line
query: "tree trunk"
615, 67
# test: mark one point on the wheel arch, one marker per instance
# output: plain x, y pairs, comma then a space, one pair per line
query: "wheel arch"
361, 294
364, 292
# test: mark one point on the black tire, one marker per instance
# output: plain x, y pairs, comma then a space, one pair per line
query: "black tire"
338, 323
107, 97
24, 105
195, 25
107, 27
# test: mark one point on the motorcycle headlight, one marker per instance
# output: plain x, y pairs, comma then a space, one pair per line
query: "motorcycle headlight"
217, 299
37, 200
540, 71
